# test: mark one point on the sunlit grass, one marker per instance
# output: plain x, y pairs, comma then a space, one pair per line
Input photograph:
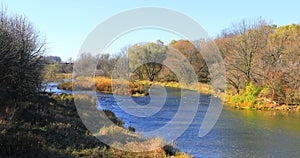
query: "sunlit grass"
106, 85
64, 75
200, 87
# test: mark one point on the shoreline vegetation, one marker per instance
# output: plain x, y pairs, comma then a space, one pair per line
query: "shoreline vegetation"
37, 124
262, 72
136, 88
252, 99
261, 62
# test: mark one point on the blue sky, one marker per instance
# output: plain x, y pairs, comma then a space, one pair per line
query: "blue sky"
65, 24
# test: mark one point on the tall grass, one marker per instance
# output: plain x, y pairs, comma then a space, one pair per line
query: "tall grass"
106, 85
200, 87
64, 75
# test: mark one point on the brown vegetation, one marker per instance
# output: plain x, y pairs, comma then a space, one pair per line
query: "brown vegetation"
51, 127
107, 85
264, 55
20, 58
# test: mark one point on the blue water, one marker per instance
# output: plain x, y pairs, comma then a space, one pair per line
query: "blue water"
236, 133
52, 87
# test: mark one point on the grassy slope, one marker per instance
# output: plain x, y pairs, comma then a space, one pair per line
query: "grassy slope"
51, 127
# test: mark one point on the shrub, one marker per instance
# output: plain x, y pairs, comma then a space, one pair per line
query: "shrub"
249, 97
20, 58
65, 86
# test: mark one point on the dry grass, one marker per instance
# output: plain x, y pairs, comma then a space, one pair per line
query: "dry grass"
106, 85
51, 127
64, 75
65, 86
123, 87
201, 87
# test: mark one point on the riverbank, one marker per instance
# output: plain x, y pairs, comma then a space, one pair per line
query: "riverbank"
252, 99
136, 88
104, 85
265, 105
49, 126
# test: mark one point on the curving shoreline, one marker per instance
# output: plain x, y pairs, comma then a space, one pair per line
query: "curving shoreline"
140, 89
50, 126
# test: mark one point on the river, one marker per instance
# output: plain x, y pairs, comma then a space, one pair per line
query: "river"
236, 134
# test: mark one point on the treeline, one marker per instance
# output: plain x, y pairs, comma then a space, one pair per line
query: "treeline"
145, 61
263, 55
54, 63
255, 53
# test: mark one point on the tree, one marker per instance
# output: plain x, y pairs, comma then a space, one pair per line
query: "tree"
146, 59
21, 53
265, 55
280, 61
50, 72
193, 56
85, 65
52, 59
243, 49
106, 64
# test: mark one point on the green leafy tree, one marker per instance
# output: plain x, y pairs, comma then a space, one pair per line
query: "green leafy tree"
145, 59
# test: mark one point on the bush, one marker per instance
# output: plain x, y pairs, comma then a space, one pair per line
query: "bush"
65, 86
20, 58
247, 99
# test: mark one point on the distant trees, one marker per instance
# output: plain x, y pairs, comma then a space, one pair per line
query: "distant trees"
99, 65
145, 59
106, 64
52, 59
21, 50
85, 65
193, 55
55, 61
67, 67
50, 72
148, 61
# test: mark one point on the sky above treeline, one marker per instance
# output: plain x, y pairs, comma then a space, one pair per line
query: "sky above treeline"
66, 24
